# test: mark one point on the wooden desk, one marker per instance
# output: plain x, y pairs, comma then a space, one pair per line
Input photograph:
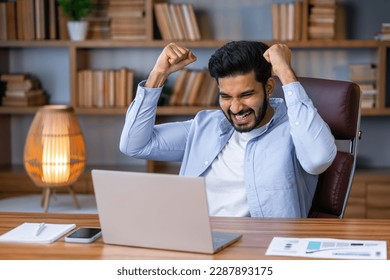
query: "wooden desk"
257, 234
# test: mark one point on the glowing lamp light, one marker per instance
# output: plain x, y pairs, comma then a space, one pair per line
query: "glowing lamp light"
54, 153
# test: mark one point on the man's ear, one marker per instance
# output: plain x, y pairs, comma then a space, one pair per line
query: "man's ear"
270, 86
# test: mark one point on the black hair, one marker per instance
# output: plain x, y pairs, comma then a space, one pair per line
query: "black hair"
240, 57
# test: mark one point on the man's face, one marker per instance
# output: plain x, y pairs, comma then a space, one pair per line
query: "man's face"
243, 101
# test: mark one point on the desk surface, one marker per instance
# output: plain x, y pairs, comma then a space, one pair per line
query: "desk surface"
257, 234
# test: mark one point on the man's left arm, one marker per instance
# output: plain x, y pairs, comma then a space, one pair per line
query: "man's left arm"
314, 143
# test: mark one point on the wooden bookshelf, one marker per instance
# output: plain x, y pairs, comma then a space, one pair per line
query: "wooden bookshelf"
79, 56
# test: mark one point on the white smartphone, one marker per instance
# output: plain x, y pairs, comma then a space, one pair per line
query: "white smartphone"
84, 235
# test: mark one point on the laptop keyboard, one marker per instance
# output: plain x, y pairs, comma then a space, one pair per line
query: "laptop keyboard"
218, 239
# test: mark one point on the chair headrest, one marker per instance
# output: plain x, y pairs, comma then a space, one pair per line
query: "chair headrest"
337, 102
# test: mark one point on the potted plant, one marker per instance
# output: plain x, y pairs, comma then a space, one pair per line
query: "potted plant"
76, 10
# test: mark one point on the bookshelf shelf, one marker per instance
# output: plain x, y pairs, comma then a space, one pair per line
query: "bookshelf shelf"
35, 43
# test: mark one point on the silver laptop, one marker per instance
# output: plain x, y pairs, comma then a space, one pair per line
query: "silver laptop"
160, 211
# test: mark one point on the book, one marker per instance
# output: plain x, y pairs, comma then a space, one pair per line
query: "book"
15, 77
275, 21
23, 93
127, 20
208, 92
26, 233
188, 88
98, 88
109, 100
19, 20
179, 87
322, 18
298, 22
53, 24
40, 24
191, 22
120, 94
130, 87
8, 21
162, 22
283, 21
28, 20
196, 86
34, 100
27, 84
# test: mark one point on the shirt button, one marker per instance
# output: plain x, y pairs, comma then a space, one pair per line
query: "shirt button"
289, 92
140, 95
296, 123
206, 162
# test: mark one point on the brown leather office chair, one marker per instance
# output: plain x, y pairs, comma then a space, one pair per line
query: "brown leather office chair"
338, 103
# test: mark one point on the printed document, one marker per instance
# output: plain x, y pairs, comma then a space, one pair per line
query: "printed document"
327, 248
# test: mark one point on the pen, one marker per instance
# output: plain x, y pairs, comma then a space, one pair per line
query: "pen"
40, 228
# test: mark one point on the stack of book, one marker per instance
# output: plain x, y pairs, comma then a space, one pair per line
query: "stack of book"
23, 90
384, 34
128, 20
105, 88
322, 19
177, 22
287, 21
194, 88
99, 21
365, 76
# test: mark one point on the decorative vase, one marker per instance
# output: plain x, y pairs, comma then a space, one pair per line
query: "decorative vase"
77, 30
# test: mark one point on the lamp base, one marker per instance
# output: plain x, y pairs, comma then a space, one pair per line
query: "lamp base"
47, 192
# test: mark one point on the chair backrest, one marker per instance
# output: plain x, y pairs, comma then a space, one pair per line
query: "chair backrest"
338, 103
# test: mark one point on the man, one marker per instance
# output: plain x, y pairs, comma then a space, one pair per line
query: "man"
260, 156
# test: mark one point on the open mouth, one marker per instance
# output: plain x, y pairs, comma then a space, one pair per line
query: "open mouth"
242, 115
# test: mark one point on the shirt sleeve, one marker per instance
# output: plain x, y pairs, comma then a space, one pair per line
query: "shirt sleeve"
141, 138
314, 143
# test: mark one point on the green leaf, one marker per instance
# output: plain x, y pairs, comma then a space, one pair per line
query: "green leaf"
76, 9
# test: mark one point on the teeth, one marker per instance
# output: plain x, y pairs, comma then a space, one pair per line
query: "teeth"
241, 117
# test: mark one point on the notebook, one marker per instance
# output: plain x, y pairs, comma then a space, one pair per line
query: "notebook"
27, 233
160, 211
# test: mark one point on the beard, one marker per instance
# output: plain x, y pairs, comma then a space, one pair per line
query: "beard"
258, 118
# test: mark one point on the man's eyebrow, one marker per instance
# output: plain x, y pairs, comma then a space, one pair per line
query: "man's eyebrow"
241, 93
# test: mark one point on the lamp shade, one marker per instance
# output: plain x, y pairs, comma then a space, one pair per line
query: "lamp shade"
54, 153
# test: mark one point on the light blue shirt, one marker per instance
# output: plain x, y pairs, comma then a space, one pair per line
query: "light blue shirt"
282, 160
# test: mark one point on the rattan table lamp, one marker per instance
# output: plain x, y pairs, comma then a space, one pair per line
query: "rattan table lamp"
54, 153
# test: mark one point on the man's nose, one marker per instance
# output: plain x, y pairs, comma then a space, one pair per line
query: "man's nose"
236, 106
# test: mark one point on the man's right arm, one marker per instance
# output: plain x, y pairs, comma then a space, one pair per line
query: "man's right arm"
140, 137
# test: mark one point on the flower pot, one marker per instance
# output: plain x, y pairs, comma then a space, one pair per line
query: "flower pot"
77, 30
